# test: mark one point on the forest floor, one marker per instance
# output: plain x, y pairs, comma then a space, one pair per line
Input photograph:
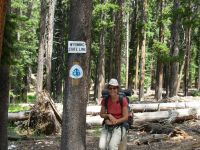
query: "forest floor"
188, 139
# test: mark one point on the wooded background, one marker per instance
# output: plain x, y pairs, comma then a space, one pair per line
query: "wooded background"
144, 44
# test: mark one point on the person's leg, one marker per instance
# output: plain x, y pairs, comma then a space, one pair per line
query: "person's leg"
103, 138
123, 144
115, 139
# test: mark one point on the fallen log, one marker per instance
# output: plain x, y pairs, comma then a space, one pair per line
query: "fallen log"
169, 116
163, 106
179, 114
18, 116
94, 110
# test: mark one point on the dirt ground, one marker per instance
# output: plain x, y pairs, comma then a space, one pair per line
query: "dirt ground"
189, 142
188, 139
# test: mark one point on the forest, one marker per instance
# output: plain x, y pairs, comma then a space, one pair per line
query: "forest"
152, 47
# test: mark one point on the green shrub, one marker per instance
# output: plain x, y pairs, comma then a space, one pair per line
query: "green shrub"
31, 98
195, 93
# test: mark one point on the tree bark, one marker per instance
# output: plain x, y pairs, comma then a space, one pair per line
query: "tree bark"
137, 64
143, 49
198, 87
101, 61
60, 45
174, 52
134, 49
4, 82
76, 90
118, 41
187, 60
159, 76
42, 47
3, 8
50, 29
4, 95
127, 49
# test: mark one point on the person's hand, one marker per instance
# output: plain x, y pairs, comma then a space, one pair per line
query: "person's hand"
112, 119
108, 122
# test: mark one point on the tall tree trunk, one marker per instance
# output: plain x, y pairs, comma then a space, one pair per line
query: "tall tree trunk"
76, 90
166, 79
174, 68
101, 65
137, 63
127, 49
187, 60
143, 49
198, 85
42, 47
118, 41
159, 76
110, 61
181, 73
50, 27
60, 45
4, 82
101, 60
3, 8
198, 63
4, 92
133, 45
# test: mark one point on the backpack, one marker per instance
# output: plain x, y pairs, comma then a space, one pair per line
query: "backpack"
122, 93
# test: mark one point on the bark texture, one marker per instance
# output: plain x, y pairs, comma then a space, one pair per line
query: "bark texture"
4, 92
76, 90
3, 8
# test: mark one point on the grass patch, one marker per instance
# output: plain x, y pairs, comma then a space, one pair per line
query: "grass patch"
95, 131
17, 108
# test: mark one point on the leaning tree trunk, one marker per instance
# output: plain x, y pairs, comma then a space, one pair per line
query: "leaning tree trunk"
76, 90
174, 52
42, 47
50, 27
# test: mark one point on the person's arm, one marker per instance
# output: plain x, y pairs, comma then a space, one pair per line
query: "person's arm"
106, 116
103, 113
124, 115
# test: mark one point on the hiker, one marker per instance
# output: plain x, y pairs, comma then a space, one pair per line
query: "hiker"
113, 132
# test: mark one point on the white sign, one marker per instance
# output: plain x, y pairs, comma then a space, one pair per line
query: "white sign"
76, 47
76, 72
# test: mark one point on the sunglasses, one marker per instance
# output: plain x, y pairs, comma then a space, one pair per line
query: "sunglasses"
112, 88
